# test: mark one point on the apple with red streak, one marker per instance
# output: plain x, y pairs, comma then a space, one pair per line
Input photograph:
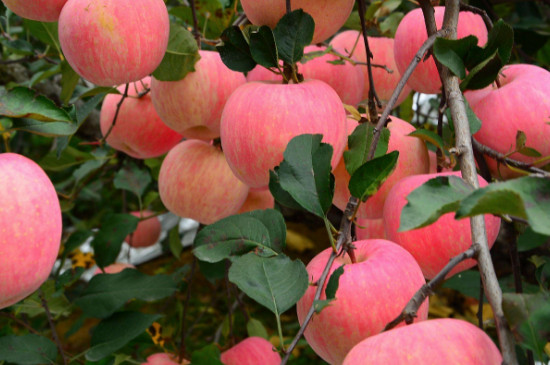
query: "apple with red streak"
193, 106
439, 341
260, 118
147, 232
382, 50
366, 229
413, 160
257, 199
40, 10
502, 116
114, 268
113, 42
329, 15
433, 246
411, 34
371, 293
139, 132
30, 232
196, 182
163, 359
251, 351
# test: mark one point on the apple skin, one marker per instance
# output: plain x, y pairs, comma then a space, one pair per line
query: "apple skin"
139, 132
196, 182
30, 233
433, 246
438, 341
193, 106
257, 200
413, 160
251, 351
40, 10
104, 47
147, 232
382, 50
329, 15
502, 116
345, 79
260, 118
114, 268
163, 359
411, 34
371, 293
366, 229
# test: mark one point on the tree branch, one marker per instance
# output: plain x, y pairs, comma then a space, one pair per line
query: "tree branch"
52, 325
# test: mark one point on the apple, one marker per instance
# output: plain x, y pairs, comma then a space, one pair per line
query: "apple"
411, 34
345, 79
371, 293
163, 359
30, 232
147, 232
382, 50
413, 160
40, 10
257, 199
433, 246
196, 182
366, 229
251, 351
502, 116
260, 118
438, 341
193, 106
114, 268
139, 132
114, 42
329, 15
433, 163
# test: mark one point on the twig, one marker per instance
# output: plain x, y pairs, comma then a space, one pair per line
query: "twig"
124, 96
230, 307
181, 354
441, 110
411, 308
480, 305
218, 333
288, 7
52, 325
488, 22
196, 32
18, 321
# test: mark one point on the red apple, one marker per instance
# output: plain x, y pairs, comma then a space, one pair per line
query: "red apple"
433, 246
413, 160
371, 293
193, 106
147, 232
366, 229
196, 182
114, 268
40, 10
439, 341
411, 34
113, 42
382, 50
139, 132
30, 232
329, 15
163, 359
502, 116
257, 199
251, 351
260, 118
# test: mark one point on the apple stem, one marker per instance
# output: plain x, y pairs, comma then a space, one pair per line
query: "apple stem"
288, 7
351, 253
52, 325
196, 32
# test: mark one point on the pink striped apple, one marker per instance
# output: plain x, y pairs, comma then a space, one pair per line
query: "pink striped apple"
147, 232
257, 199
366, 229
114, 268
40, 10
251, 351
163, 359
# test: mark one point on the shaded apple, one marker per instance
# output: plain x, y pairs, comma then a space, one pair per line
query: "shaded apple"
40, 10
251, 351
257, 199
147, 232
369, 229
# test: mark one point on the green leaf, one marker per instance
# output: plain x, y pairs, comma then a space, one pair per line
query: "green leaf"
530, 239
235, 51
263, 48
69, 80
452, 53
83, 111
48, 129
180, 57
431, 200
333, 282
208, 355
483, 74
22, 102
45, 32
359, 143
279, 194
133, 179
526, 197
465, 282
116, 331
473, 121
305, 173
388, 26
429, 136
32, 306
292, 33
108, 240
261, 231
106, 293
255, 328
529, 152
277, 283
212, 15
368, 178
70, 157
28, 349
174, 241
500, 39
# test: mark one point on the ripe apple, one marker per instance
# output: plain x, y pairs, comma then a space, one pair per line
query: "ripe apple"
163, 359
30, 232
438, 341
40, 10
329, 15
196, 182
257, 199
433, 246
411, 34
366, 229
371, 293
114, 42
260, 118
114, 268
413, 160
382, 50
147, 232
502, 116
345, 79
139, 132
193, 106
251, 351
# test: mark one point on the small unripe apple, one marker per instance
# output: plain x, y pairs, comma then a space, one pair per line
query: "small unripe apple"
40, 10
114, 268
163, 359
251, 351
147, 232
